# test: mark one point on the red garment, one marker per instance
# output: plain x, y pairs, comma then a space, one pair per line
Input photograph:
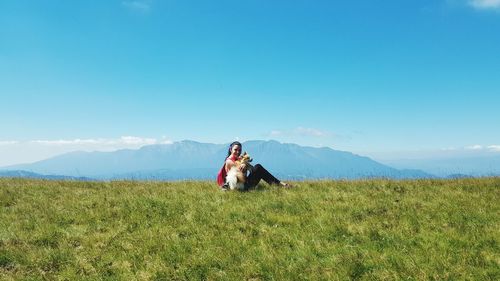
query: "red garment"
221, 176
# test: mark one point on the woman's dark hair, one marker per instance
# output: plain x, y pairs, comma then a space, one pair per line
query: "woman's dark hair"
231, 147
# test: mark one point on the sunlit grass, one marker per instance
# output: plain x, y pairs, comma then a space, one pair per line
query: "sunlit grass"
320, 230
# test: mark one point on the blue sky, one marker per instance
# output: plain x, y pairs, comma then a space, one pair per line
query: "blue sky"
379, 78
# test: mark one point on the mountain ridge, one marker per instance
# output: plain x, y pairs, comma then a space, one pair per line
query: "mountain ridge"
189, 159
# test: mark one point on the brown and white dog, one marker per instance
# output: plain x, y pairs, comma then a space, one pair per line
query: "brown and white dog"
235, 178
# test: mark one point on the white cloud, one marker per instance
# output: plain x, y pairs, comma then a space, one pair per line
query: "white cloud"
122, 141
485, 4
477, 148
68, 142
138, 5
474, 147
8, 142
312, 132
137, 140
495, 148
275, 133
299, 132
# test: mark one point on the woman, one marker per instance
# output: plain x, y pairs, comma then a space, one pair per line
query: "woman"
257, 172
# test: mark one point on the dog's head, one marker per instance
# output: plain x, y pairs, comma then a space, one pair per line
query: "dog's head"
245, 158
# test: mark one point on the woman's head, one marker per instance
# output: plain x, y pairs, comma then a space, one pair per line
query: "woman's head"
234, 149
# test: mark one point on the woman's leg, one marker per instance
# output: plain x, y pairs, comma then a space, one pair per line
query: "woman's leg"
256, 174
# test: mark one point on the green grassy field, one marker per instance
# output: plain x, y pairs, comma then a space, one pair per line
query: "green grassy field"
322, 230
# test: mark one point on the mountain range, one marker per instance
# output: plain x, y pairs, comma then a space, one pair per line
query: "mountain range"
471, 165
194, 160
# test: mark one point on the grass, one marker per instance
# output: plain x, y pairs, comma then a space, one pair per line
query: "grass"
320, 230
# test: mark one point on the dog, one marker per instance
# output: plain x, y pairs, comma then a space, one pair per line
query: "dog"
235, 178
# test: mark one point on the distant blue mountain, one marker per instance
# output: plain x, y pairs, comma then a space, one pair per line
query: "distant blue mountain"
194, 160
26, 174
476, 166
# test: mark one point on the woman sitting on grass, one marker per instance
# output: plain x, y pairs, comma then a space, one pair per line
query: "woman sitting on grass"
256, 173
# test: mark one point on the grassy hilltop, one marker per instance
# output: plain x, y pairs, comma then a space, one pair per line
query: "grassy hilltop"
321, 230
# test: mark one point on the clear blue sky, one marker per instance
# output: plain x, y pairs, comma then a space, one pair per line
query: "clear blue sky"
363, 76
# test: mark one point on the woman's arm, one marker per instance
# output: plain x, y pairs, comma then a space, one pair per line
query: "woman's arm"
242, 167
229, 165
